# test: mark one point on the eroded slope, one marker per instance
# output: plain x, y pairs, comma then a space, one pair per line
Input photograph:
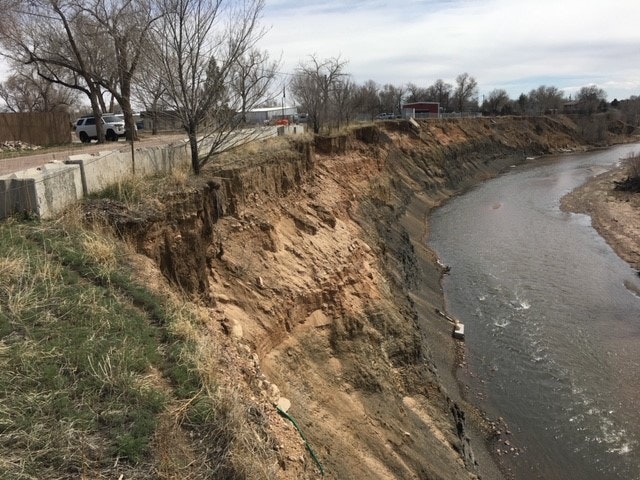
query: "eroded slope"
310, 266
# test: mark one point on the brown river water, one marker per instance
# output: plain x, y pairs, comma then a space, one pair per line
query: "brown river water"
552, 322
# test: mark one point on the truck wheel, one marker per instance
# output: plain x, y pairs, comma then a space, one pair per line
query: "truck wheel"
84, 138
111, 136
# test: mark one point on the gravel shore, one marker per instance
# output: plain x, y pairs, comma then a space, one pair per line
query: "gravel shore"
614, 214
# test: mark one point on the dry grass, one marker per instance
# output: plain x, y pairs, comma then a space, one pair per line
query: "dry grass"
102, 377
102, 250
632, 182
134, 189
11, 268
25, 282
633, 164
255, 153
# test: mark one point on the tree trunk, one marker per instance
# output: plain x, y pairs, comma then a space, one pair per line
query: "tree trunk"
154, 117
124, 99
193, 143
129, 121
103, 106
154, 122
97, 113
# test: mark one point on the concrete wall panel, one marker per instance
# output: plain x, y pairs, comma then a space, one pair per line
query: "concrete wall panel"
44, 191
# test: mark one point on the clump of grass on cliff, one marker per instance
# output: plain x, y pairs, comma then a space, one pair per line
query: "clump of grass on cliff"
101, 377
136, 188
256, 153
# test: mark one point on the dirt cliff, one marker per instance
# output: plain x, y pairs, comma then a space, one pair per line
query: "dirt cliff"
309, 261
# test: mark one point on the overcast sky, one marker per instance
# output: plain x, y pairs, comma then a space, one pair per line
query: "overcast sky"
516, 45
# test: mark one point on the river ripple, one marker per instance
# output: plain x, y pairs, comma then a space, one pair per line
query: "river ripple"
552, 333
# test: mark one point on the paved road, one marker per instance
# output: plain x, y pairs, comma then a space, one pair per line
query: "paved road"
23, 162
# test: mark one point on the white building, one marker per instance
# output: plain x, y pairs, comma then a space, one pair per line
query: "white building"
271, 114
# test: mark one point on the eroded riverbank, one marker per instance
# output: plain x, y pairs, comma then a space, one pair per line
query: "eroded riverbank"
336, 304
301, 278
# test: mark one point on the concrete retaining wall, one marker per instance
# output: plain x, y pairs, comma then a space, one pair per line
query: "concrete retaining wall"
42, 191
110, 167
46, 191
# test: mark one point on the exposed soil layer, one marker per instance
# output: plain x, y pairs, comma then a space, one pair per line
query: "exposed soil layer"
312, 266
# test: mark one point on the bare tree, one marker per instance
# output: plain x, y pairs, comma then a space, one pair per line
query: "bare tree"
150, 90
344, 100
521, 103
55, 38
25, 91
313, 85
121, 29
8, 12
545, 99
367, 100
251, 78
630, 108
87, 45
497, 102
465, 92
440, 92
197, 45
391, 98
416, 93
591, 99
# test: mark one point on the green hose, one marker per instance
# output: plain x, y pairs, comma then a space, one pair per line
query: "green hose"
306, 442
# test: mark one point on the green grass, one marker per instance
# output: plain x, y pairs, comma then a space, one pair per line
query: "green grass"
102, 377
78, 341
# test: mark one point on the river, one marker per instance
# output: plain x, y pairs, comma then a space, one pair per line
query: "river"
552, 332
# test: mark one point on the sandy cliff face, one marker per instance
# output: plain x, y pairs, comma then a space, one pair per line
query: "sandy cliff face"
319, 288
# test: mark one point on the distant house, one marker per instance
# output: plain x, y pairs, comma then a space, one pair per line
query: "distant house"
160, 120
270, 114
167, 120
421, 110
570, 107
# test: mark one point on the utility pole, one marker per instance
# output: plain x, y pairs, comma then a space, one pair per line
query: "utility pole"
284, 95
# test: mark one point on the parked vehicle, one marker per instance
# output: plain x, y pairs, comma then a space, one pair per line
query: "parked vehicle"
385, 116
138, 125
86, 128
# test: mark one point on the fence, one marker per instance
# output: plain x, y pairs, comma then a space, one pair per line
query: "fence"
36, 128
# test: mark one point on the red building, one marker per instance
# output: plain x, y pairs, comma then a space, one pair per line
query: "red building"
421, 109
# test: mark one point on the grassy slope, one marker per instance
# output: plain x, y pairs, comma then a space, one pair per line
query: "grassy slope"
95, 369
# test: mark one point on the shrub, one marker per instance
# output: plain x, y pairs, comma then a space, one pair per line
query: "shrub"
632, 182
633, 165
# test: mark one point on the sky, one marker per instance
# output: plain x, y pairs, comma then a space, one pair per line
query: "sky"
515, 45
